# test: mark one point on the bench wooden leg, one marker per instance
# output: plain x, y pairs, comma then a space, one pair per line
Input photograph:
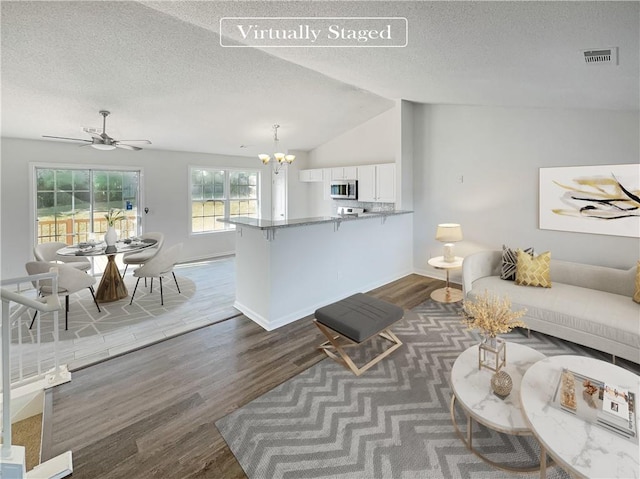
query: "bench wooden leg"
333, 344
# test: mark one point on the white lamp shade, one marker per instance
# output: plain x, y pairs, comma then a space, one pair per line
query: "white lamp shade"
449, 232
264, 158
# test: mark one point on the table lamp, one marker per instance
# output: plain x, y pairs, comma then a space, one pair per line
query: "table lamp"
448, 233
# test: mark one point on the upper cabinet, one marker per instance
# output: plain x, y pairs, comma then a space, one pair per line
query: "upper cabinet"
344, 173
386, 183
377, 183
311, 175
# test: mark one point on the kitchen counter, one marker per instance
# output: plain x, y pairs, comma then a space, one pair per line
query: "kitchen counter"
285, 270
269, 224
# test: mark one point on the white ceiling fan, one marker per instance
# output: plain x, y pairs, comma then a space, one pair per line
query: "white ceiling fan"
102, 141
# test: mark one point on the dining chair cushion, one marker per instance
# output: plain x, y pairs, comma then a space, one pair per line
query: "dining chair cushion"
70, 279
141, 257
48, 252
160, 264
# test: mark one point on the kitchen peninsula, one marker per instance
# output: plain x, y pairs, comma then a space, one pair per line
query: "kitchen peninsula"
285, 270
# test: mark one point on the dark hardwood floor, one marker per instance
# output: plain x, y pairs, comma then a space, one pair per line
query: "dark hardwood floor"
151, 413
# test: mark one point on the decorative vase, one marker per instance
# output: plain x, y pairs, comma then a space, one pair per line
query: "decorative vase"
492, 353
110, 237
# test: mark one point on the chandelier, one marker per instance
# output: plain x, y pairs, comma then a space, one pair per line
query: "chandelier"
281, 158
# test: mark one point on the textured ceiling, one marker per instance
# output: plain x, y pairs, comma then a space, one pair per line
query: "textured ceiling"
160, 69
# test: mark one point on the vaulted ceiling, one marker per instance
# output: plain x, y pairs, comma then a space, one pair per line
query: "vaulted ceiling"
160, 69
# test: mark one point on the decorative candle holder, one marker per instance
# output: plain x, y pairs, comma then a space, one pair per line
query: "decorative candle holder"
492, 354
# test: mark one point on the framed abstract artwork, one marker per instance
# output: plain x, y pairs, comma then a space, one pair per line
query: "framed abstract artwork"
591, 199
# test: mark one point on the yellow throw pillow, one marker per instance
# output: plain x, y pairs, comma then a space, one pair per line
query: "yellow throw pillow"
636, 295
533, 270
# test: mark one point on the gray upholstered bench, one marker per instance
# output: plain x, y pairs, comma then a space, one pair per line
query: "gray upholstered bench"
354, 320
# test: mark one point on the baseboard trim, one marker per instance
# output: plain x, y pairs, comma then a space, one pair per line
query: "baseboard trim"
197, 259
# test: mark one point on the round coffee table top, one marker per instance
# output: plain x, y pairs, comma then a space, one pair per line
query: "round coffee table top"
580, 447
472, 388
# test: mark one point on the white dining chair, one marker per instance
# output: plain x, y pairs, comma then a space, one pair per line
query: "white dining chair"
160, 265
141, 257
48, 252
70, 280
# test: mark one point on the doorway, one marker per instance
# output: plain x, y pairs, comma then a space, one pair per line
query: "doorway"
279, 195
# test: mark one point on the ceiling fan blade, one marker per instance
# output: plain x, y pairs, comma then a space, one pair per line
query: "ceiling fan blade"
145, 142
65, 138
97, 136
127, 147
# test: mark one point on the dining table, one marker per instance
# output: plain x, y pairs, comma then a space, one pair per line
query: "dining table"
111, 287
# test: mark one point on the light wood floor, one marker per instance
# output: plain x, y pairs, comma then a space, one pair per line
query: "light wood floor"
151, 413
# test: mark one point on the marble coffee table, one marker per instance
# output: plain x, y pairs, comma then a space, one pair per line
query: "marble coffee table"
472, 390
581, 448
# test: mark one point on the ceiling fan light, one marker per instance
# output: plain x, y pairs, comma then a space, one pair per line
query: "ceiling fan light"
264, 158
102, 146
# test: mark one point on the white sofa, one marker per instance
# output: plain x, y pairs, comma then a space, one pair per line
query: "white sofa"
587, 305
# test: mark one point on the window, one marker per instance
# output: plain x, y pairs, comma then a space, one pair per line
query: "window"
222, 194
71, 203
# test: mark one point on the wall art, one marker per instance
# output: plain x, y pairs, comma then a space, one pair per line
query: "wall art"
591, 199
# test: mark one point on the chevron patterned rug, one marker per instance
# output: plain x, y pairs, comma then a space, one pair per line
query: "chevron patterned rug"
391, 422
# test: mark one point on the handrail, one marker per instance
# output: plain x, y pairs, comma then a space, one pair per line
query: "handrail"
48, 304
45, 305
53, 273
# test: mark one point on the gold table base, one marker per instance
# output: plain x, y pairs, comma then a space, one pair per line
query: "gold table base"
468, 441
111, 287
447, 295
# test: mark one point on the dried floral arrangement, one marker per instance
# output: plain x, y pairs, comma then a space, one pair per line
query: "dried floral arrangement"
114, 215
491, 314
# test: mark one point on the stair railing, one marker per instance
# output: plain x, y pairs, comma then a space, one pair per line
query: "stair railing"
11, 291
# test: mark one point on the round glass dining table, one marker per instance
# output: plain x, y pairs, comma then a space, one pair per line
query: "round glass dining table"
111, 287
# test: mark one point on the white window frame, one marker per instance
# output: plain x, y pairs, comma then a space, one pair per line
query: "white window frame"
33, 188
227, 187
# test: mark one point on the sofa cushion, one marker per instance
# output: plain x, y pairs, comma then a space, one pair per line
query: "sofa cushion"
599, 313
602, 278
533, 270
510, 261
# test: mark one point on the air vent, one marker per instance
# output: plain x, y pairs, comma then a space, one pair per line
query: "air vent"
606, 56
90, 129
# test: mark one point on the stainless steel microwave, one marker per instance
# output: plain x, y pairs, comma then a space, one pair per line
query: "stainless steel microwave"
344, 190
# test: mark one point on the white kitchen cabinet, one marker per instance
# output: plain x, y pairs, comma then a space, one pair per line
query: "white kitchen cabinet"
367, 183
312, 175
377, 183
344, 173
386, 183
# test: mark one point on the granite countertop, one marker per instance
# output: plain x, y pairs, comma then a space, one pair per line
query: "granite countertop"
269, 224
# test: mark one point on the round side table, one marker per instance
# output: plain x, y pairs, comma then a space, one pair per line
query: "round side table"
446, 294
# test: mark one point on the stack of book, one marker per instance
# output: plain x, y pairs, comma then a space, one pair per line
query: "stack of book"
618, 410
607, 405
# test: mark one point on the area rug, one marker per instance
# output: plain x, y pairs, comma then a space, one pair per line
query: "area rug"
85, 319
392, 422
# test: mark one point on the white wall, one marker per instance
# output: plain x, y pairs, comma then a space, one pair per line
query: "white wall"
375, 141
165, 193
369, 143
298, 192
497, 152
